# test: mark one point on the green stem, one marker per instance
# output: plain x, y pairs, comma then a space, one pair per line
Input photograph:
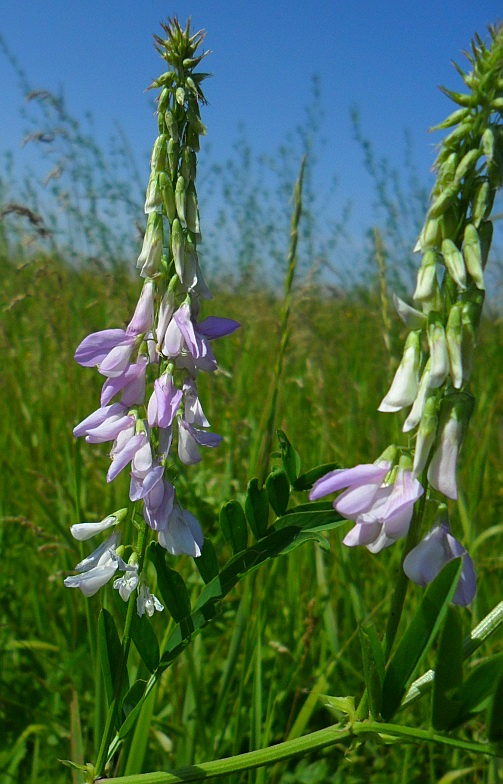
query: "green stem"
113, 710
315, 741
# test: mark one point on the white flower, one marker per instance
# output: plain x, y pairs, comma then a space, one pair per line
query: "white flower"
98, 568
147, 602
127, 583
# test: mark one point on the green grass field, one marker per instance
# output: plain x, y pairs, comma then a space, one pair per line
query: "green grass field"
287, 635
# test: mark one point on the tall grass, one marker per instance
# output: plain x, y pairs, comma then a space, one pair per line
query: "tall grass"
263, 682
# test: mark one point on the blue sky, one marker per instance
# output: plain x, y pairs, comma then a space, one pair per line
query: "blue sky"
386, 58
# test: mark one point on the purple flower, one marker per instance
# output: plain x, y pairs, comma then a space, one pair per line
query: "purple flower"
363, 481
97, 347
426, 560
104, 424
192, 409
143, 317
131, 383
147, 602
443, 466
189, 438
405, 384
156, 512
127, 445
184, 335
164, 402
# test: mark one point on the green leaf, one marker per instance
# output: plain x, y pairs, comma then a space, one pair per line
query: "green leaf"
171, 585
110, 651
145, 641
495, 716
307, 480
133, 696
257, 508
475, 693
373, 666
311, 519
233, 524
418, 636
289, 457
207, 563
278, 490
448, 672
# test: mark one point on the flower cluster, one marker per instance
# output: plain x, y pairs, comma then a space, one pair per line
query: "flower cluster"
149, 397
434, 373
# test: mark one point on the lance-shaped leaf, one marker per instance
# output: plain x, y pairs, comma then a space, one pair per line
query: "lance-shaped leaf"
257, 508
307, 480
171, 585
448, 672
495, 717
418, 636
289, 457
373, 666
110, 651
233, 524
278, 490
207, 563
475, 693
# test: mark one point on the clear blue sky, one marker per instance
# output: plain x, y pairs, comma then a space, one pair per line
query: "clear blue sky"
387, 58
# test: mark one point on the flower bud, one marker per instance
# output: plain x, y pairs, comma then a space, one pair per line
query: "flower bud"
404, 386
166, 310
180, 198
191, 209
168, 196
472, 255
454, 263
158, 157
425, 435
438, 351
177, 246
423, 392
482, 201
470, 318
426, 277
454, 417
171, 125
487, 144
453, 336
143, 317
153, 199
180, 96
429, 236
151, 252
467, 162
448, 169
173, 152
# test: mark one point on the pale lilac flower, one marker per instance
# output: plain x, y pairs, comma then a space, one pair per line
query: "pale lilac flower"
404, 386
454, 417
192, 409
147, 485
83, 531
388, 519
186, 335
124, 450
414, 319
164, 402
156, 513
151, 252
423, 393
147, 602
98, 568
363, 481
127, 583
166, 310
96, 347
439, 368
189, 438
143, 317
426, 560
104, 424
182, 533
425, 436
131, 383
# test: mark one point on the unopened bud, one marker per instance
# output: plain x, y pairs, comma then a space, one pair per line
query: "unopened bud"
453, 259
196, 123
404, 386
470, 317
442, 201
153, 200
449, 222
424, 391
453, 119
438, 351
426, 277
168, 196
191, 209
482, 201
180, 198
487, 144
173, 152
388, 456
448, 169
454, 417
158, 157
472, 255
151, 251
177, 246
171, 125
467, 162
454, 338
180, 96
425, 435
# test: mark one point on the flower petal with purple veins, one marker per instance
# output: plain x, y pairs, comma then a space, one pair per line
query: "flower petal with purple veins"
97, 418
192, 409
117, 361
132, 381
109, 430
365, 473
122, 458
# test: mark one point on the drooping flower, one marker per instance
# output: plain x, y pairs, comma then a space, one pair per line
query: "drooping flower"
98, 568
454, 418
96, 347
189, 438
426, 560
405, 383
104, 424
127, 584
363, 481
164, 402
143, 317
147, 602
178, 531
83, 531
131, 383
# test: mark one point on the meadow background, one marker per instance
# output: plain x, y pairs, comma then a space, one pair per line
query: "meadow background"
287, 634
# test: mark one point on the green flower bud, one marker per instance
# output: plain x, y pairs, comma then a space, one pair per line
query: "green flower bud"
180, 198
453, 119
173, 153
454, 338
470, 318
171, 125
472, 255
195, 123
180, 96
153, 199
487, 144
448, 169
163, 100
158, 157
192, 138
168, 196
191, 85
438, 350
482, 201
453, 260
189, 164
449, 222
426, 435
191, 209
388, 455
467, 162
426, 285
441, 203
177, 246
429, 236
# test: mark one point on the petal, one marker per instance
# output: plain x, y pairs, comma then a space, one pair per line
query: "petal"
122, 458
364, 473
215, 327
83, 531
96, 346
